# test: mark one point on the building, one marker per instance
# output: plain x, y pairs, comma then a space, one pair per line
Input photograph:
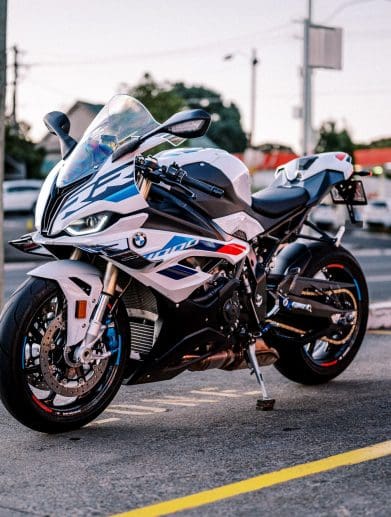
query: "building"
81, 115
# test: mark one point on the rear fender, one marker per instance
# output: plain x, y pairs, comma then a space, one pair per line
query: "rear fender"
297, 255
79, 282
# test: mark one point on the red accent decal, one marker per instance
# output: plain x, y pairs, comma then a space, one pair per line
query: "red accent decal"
41, 405
339, 266
232, 249
331, 363
340, 156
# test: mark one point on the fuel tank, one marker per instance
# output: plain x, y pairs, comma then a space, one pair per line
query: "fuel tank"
218, 167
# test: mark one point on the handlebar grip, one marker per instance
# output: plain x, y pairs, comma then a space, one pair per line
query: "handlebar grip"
203, 186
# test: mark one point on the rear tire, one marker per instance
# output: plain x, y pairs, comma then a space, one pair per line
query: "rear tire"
17, 390
295, 362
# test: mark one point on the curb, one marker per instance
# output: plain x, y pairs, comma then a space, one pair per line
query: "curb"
379, 315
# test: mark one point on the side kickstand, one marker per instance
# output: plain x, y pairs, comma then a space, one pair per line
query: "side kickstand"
265, 403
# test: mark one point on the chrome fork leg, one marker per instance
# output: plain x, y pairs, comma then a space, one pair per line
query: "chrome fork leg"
265, 403
96, 326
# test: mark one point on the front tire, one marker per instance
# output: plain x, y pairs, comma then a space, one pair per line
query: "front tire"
307, 364
25, 390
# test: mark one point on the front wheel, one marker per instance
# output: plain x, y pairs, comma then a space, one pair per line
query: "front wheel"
323, 359
41, 383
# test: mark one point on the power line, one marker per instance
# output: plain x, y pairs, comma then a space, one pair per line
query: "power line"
158, 54
343, 6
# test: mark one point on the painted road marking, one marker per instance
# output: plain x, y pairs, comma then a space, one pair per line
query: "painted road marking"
378, 278
218, 393
379, 450
376, 252
131, 409
192, 399
175, 401
20, 266
102, 421
210, 396
380, 332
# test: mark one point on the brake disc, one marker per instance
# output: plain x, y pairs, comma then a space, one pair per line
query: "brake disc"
59, 376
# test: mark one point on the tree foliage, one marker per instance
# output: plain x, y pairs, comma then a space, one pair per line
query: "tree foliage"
165, 99
21, 148
226, 129
160, 99
330, 139
380, 143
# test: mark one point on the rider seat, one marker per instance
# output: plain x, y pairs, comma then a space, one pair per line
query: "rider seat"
277, 201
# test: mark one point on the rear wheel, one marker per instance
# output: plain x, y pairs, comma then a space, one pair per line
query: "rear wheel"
323, 359
41, 382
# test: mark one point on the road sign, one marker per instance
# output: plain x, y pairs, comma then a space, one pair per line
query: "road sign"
325, 47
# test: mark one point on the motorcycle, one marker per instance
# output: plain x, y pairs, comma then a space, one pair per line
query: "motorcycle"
166, 263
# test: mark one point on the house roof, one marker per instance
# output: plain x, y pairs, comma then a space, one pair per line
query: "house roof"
93, 108
371, 157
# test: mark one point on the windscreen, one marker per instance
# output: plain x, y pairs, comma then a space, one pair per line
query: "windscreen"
122, 118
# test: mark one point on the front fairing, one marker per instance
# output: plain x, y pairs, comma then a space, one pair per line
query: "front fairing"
87, 182
113, 190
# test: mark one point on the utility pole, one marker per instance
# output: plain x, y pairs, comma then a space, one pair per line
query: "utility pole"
307, 86
253, 94
3, 68
15, 84
253, 89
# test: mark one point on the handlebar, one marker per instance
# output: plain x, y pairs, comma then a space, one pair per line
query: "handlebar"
174, 175
212, 190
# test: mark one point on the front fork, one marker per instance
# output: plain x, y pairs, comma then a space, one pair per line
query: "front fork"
85, 353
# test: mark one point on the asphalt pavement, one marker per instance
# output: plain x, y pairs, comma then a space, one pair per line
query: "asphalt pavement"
200, 431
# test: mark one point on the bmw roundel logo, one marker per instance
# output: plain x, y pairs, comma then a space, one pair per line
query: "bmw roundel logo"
139, 240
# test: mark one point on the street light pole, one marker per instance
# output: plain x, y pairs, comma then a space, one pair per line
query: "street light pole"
307, 86
253, 89
253, 94
3, 68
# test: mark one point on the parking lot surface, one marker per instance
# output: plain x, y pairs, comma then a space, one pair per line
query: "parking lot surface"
199, 431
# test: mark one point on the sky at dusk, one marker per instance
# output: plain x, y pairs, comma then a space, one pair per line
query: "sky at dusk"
84, 50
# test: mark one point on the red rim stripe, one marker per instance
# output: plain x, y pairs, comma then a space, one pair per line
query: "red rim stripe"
41, 405
331, 363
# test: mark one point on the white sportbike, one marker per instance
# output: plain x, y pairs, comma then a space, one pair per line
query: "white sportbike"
167, 263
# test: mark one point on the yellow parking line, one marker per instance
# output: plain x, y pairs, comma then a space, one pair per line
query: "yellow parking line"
380, 332
372, 452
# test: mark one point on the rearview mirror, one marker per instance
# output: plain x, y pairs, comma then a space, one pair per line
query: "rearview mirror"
59, 124
185, 124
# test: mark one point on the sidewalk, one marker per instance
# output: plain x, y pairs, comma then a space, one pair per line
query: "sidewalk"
379, 315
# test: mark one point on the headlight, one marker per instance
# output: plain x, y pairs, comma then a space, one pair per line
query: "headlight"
90, 224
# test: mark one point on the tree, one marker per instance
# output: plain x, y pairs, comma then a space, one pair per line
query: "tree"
330, 139
19, 146
165, 99
381, 143
226, 129
160, 99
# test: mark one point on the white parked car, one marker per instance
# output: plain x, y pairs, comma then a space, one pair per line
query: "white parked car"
378, 213
20, 195
326, 216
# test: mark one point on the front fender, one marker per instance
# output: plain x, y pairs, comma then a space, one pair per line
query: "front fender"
79, 282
